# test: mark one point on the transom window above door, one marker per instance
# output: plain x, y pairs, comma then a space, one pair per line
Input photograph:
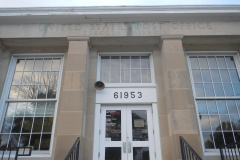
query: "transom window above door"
125, 69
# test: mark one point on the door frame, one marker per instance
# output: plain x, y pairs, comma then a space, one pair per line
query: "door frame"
156, 135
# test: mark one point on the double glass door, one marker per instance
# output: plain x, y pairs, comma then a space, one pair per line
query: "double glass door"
126, 133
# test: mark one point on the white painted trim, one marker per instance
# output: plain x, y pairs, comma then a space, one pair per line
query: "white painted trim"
156, 126
96, 138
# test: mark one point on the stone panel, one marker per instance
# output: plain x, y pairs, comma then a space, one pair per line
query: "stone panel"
179, 79
181, 99
70, 123
71, 101
77, 62
73, 81
184, 122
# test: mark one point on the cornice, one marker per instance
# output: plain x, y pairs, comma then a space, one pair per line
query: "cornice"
119, 14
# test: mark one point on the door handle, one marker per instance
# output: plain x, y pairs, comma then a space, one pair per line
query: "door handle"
124, 147
129, 147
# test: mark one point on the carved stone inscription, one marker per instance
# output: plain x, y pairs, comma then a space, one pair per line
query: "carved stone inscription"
125, 29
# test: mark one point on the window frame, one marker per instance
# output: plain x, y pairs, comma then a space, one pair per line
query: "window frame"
236, 57
152, 83
6, 90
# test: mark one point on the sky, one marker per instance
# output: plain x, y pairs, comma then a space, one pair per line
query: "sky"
75, 3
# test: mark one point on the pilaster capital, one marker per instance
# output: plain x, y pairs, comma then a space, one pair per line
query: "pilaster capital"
170, 37
77, 38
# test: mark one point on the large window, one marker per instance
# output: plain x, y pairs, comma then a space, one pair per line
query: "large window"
125, 69
30, 102
217, 94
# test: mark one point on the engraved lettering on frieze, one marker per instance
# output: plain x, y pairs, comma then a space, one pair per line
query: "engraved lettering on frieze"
127, 29
191, 25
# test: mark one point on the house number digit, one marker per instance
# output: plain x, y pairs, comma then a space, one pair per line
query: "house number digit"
126, 95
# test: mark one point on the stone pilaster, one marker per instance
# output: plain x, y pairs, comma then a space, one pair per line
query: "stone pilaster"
180, 110
70, 117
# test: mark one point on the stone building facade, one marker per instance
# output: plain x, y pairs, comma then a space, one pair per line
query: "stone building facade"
168, 71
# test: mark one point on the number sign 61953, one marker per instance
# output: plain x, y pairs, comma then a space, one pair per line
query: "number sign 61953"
126, 95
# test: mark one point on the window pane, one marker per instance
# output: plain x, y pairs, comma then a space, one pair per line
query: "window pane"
203, 62
113, 125
115, 62
24, 140
202, 107
141, 153
113, 153
205, 123
125, 75
197, 76
232, 108
135, 62
45, 142
145, 63
56, 64
47, 127
29, 65
222, 107
146, 76
136, 76
215, 123
230, 62
35, 140
199, 90
212, 62
17, 124
125, 62
218, 88
7, 125
38, 64
17, 78
47, 64
37, 125
206, 76
225, 121
215, 75
27, 125
115, 76
209, 89
221, 62
194, 62
208, 140
218, 139
20, 65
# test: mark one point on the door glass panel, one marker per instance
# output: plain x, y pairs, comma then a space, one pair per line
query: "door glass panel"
141, 153
113, 125
139, 125
113, 153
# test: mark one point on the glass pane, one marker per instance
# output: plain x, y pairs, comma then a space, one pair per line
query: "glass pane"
203, 62
27, 125
24, 92
237, 136
53, 80
7, 124
235, 122
105, 75
115, 76
218, 88
32, 92
35, 140
125, 75
225, 121
212, 107
199, 90
38, 64
212, 62
21, 107
232, 108
221, 62
136, 76
125, 62
56, 64
208, 140
20, 64
29, 65
215, 123
11, 109
27, 78
215, 76
47, 64
205, 123
135, 62
145, 63
194, 62
113, 125
42, 91
47, 127
225, 75
202, 107
236, 87
115, 62
24, 140
139, 125
146, 76
228, 137
234, 75
17, 124
37, 125
17, 78
105, 62
228, 89
206, 76
230, 62
50, 108
36, 77
141, 153
209, 89
222, 107
13, 92
218, 138
45, 142
113, 153
30, 110
52, 91
13, 142
4, 140
197, 76
40, 109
